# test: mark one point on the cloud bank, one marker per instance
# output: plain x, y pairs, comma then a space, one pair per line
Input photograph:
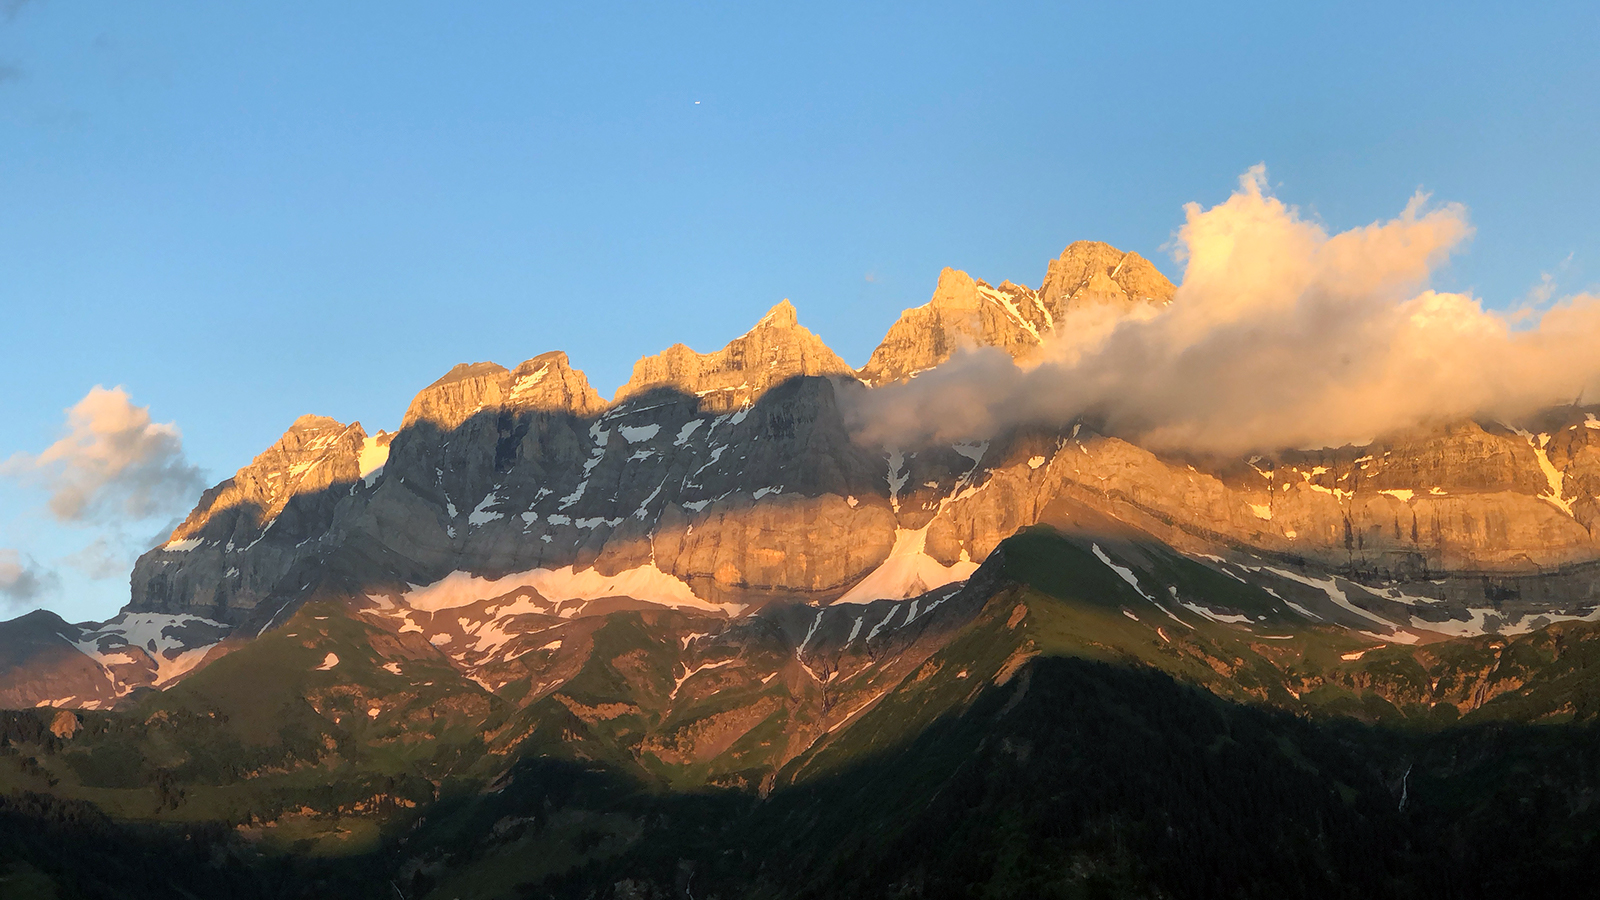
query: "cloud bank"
1280, 335
113, 463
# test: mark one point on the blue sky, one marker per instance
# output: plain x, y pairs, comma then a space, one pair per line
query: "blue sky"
244, 212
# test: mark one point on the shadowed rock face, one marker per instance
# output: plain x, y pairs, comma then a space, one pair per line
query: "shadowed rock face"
246, 533
732, 478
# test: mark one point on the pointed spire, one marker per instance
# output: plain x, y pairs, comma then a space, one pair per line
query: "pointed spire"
782, 315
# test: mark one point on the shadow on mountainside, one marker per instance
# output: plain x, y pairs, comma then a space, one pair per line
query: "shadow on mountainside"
513, 489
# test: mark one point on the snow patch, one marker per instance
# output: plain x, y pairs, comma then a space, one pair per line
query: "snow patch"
897, 478
481, 515
880, 626
688, 673
1330, 587
372, 459
811, 632
1552, 476
1126, 574
524, 386
972, 450
687, 430
647, 583
633, 434
908, 571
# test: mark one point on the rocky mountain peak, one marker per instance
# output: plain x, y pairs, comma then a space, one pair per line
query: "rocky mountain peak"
314, 453
782, 315
1095, 272
1014, 317
546, 382
549, 383
313, 422
466, 388
777, 349
956, 290
963, 311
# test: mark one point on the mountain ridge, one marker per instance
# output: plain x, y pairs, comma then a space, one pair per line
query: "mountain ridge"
731, 480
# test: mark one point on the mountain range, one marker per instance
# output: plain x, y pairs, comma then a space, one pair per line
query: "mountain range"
704, 640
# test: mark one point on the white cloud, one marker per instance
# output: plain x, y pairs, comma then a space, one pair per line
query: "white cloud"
113, 463
1280, 335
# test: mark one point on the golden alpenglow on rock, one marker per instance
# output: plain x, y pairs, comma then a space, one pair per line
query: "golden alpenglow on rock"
777, 349
967, 312
546, 382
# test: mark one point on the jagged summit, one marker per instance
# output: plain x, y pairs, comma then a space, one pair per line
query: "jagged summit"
316, 451
312, 421
748, 494
1013, 317
547, 381
776, 349
782, 315
1096, 272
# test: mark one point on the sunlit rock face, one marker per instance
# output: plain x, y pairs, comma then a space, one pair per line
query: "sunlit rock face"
546, 383
777, 349
248, 532
968, 312
1091, 272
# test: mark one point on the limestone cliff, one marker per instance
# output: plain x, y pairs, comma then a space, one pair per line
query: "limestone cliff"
248, 532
